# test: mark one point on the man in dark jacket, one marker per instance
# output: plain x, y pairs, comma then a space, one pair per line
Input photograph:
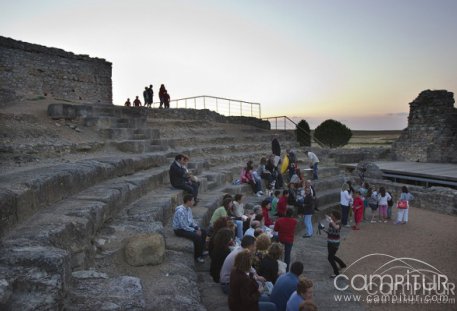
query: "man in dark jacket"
180, 178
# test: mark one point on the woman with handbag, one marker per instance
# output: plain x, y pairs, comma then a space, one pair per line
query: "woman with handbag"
403, 206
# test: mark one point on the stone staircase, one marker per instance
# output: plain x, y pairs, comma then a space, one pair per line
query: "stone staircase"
63, 228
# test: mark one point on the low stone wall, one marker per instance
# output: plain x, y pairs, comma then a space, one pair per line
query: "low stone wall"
68, 111
345, 155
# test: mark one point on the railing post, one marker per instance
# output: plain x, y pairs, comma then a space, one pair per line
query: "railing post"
284, 124
204, 102
195, 103
229, 107
241, 108
217, 106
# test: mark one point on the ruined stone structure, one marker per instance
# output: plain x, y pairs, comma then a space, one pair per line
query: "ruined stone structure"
431, 135
28, 71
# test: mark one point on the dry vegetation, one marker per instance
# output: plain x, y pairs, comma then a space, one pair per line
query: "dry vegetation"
373, 138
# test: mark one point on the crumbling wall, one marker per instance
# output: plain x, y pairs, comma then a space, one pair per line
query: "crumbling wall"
28, 71
431, 135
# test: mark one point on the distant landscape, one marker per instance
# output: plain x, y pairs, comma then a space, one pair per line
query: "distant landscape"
373, 138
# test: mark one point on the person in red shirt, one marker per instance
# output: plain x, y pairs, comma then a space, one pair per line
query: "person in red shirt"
285, 227
281, 207
266, 206
358, 211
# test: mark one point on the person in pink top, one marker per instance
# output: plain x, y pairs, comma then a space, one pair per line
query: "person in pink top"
358, 210
285, 227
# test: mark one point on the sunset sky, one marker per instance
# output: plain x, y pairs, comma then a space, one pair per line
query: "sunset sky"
357, 61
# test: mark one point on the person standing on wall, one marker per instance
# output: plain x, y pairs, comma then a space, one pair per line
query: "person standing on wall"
145, 96
150, 96
166, 99
162, 92
314, 161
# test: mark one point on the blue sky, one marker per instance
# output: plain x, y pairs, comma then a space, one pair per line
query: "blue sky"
357, 61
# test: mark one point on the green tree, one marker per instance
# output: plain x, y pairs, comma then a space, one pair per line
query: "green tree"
303, 133
333, 133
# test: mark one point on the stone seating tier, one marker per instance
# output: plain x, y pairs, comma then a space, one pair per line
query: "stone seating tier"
65, 228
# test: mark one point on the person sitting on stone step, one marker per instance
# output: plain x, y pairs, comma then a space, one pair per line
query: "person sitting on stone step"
223, 241
247, 176
180, 178
269, 266
184, 226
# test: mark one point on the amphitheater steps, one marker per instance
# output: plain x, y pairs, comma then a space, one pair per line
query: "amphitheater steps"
156, 206
29, 191
73, 219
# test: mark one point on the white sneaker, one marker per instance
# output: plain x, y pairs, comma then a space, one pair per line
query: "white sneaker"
200, 260
258, 194
261, 192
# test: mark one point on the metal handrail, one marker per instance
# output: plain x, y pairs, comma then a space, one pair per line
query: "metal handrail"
221, 105
286, 118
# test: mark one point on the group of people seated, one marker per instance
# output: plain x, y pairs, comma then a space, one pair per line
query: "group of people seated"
250, 270
270, 171
249, 249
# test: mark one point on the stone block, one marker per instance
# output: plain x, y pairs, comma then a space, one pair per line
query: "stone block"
62, 111
93, 291
145, 249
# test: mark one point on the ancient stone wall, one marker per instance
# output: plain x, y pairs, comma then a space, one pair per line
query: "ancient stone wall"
431, 135
70, 112
28, 71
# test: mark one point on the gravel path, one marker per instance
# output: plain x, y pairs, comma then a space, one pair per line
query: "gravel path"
428, 236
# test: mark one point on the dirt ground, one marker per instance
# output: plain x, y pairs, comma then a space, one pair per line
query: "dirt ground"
428, 236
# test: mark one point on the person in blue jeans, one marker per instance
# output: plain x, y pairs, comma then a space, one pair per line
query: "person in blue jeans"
308, 211
314, 161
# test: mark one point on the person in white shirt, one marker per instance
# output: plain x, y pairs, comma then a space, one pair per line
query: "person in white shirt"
314, 161
383, 198
345, 202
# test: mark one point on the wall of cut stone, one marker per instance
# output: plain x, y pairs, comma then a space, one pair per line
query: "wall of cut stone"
431, 135
28, 71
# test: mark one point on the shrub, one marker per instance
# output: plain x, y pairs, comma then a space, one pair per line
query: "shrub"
303, 134
332, 133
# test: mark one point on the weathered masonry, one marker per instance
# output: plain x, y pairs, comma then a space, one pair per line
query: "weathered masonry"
28, 71
431, 135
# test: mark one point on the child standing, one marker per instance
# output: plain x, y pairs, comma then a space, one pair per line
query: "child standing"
390, 203
358, 210
274, 203
266, 205
364, 196
383, 198
333, 242
403, 206
282, 203
373, 202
